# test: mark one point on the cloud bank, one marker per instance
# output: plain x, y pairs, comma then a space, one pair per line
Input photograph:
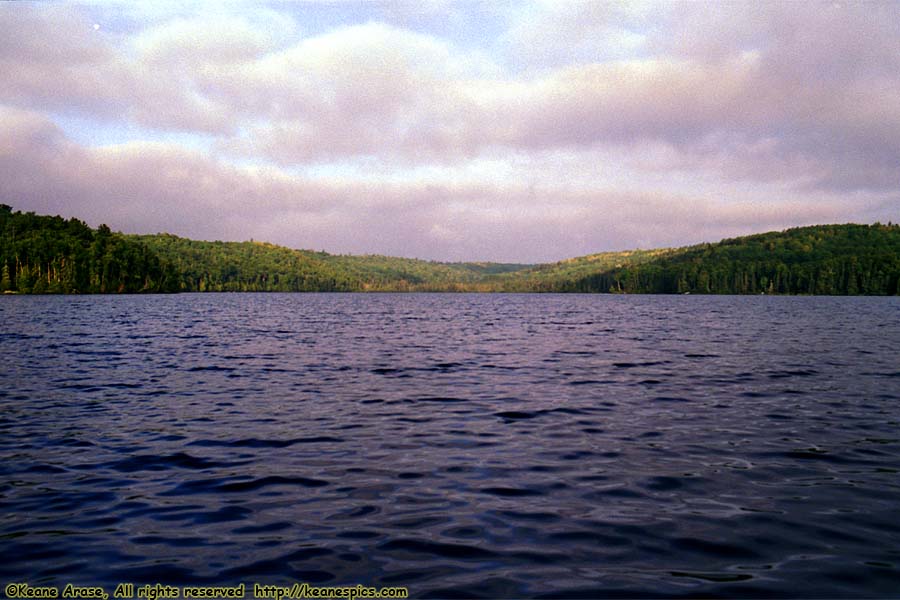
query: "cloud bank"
455, 133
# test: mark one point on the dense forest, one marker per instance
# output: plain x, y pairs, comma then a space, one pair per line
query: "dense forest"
54, 255
245, 266
41, 254
556, 277
263, 267
824, 259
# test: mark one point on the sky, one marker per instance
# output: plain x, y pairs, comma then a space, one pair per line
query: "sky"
476, 130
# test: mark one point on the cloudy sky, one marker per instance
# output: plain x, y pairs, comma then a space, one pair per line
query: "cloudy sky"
505, 131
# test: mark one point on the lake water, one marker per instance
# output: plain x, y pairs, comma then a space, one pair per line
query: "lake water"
459, 445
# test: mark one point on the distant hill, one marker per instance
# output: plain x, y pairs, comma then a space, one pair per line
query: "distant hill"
246, 266
41, 254
558, 276
258, 266
822, 259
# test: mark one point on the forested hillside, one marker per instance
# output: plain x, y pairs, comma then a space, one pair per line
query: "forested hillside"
823, 259
389, 273
52, 255
246, 266
262, 267
40, 254
554, 277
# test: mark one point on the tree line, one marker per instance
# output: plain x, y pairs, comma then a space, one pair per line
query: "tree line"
42, 254
823, 259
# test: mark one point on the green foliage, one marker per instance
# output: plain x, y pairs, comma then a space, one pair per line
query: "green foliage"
246, 266
51, 255
41, 255
830, 259
556, 277
389, 274
261, 267
823, 259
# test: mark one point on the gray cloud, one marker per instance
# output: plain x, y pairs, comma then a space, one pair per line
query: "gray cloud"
147, 187
52, 57
804, 84
695, 111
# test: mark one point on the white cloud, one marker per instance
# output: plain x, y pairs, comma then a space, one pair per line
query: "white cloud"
194, 195
181, 43
367, 136
545, 35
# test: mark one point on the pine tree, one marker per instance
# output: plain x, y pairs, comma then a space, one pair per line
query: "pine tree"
5, 283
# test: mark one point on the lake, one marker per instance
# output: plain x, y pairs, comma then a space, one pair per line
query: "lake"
459, 445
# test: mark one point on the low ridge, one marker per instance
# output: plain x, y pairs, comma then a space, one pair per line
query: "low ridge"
43, 254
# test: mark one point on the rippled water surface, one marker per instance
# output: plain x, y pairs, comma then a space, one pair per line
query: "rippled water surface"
460, 445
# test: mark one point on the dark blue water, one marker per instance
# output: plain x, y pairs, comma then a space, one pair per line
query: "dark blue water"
460, 445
